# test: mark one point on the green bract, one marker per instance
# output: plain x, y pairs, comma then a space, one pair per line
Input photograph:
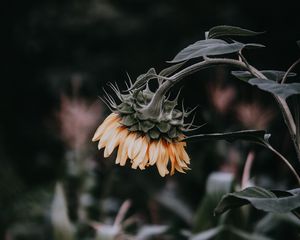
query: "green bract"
168, 122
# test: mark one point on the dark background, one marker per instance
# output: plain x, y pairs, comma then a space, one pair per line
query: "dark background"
51, 42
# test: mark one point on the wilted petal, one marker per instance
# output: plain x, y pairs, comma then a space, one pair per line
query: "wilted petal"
135, 147
182, 153
142, 153
153, 152
144, 163
122, 138
162, 159
107, 134
124, 154
112, 142
99, 132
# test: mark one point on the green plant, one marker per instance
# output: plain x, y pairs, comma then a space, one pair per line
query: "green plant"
155, 118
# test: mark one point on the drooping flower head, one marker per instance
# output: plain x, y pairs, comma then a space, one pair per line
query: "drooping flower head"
147, 136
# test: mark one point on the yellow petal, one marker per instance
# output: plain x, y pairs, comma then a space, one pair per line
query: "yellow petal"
107, 134
113, 142
122, 137
182, 155
178, 168
153, 153
161, 163
177, 157
124, 153
134, 147
100, 130
144, 163
172, 158
141, 154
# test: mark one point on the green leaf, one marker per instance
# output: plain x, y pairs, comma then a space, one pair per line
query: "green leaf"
218, 184
282, 90
62, 226
260, 199
273, 221
209, 47
170, 70
224, 30
259, 136
172, 201
270, 74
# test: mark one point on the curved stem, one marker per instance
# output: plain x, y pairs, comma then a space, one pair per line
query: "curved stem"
247, 169
289, 70
209, 62
284, 160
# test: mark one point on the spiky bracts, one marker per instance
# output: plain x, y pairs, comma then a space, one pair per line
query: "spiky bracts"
168, 122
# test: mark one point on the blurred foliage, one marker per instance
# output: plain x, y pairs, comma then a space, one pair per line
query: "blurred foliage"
71, 49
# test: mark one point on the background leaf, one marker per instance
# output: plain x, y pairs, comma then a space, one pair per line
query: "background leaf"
62, 226
224, 30
270, 74
259, 198
283, 90
207, 47
218, 184
273, 221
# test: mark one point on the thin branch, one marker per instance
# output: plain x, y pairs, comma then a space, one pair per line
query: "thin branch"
122, 212
283, 159
247, 169
289, 70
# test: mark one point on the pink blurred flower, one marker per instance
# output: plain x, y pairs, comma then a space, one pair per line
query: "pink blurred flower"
253, 115
221, 97
77, 118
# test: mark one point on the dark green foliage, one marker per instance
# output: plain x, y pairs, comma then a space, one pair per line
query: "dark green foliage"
209, 47
270, 74
223, 30
282, 90
261, 199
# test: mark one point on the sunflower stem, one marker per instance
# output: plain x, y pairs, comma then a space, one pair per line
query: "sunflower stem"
153, 106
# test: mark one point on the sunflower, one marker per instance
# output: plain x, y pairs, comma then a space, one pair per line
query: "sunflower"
139, 148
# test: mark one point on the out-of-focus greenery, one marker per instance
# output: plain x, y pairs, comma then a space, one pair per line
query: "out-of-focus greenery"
64, 52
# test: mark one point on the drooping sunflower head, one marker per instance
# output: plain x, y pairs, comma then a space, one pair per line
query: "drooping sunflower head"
143, 135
